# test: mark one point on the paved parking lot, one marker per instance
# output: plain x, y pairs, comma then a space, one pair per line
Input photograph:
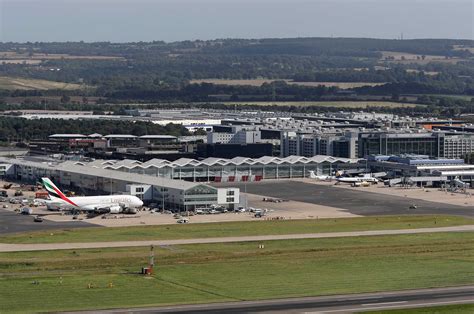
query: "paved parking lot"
356, 201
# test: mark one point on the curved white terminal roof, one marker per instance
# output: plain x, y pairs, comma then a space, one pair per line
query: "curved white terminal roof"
212, 161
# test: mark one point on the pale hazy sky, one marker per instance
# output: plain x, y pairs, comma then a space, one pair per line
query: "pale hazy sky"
173, 20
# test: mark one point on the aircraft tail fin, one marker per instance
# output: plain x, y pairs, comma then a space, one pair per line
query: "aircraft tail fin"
54, 192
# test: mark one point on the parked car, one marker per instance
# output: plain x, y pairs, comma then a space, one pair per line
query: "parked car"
183, 221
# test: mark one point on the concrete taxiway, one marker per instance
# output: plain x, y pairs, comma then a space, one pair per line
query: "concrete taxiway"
356, 201
4, 247
12, 222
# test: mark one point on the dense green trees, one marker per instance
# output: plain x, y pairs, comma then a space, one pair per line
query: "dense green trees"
18, 129
157, 71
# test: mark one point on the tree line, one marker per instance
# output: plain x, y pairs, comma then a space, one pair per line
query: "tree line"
162, 71
20, 129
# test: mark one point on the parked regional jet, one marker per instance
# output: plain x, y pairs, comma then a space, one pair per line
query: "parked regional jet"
113, 204
367, 178
312, 175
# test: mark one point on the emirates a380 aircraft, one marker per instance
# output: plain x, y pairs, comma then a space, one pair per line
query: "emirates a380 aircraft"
113, 204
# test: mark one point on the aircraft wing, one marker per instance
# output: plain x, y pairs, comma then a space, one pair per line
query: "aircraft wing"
102, 208
93, 207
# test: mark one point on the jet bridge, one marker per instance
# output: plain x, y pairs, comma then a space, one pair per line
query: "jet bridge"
412, 180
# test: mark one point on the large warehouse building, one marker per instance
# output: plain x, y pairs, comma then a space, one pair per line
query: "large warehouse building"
175, 194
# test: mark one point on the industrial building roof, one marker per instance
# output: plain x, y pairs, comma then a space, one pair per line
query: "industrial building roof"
120, 136
78, 168
456, 173
158, 137
67, 135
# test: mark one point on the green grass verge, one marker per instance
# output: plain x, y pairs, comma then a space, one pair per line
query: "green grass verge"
233, 271
452, 309
227, 229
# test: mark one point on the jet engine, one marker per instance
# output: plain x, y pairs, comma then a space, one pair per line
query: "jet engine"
130, 210
115, 209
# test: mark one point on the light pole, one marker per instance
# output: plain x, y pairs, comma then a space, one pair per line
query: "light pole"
162, 199
246, 196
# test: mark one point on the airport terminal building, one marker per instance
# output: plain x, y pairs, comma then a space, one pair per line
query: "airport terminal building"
174, 194
227, 170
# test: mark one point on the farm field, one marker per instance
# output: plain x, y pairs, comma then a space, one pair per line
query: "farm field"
238, 228
406, 58
429, 73
19, 61
11, 83
334, 104
462, 97
259, 82
12, 55
59, 280
49, 99
460, 47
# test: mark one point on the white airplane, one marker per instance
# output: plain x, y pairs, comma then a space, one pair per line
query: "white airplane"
312, 175
352, 180
103, 204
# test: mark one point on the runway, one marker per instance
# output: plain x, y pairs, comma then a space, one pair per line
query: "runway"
5, 247
327, 304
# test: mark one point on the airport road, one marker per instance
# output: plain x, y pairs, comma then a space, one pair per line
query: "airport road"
4, 247
12, 222
356, 201
328, 304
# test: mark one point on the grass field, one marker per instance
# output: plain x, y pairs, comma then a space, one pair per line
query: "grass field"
259, 82
406, 58
11, 83
19, 61
462, 97
232, 271
460, 47
334, 104
452, 309
237, 228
